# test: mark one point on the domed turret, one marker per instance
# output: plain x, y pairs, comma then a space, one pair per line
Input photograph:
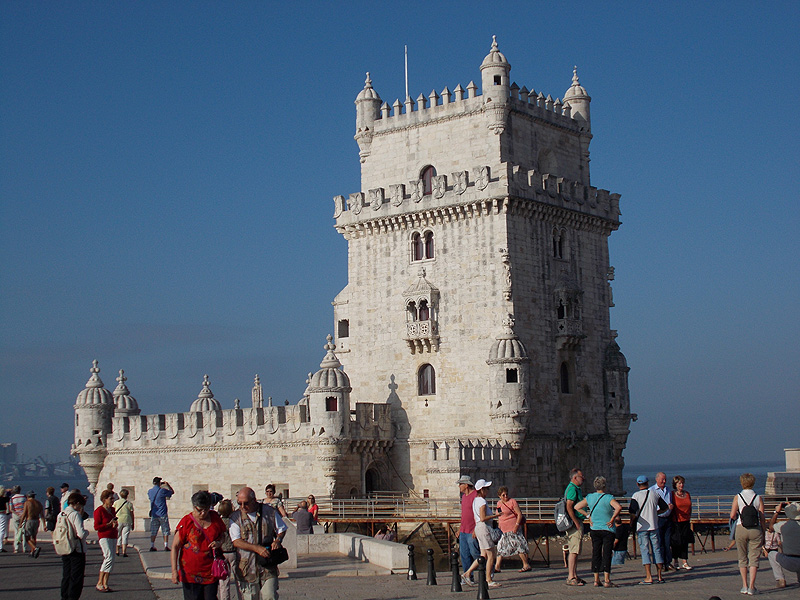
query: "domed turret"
507, 347
205, 400
94, 393
578, 100
614, 358
94, 409
330, 376
124, 404
328, 394
368, 106
508, 391
495, 87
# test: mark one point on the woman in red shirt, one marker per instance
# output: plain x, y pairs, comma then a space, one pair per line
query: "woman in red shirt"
105, 523
683, 535
197, 537
313, 508
509, 517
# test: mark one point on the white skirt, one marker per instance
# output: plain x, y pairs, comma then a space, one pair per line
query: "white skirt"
482, 534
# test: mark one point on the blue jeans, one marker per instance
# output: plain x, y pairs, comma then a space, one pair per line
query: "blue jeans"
665, 538
650, 547
468, 546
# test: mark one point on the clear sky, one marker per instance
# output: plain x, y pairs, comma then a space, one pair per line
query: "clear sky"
167, 173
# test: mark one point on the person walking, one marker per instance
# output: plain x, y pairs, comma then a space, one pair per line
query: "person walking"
274, 501
602, 514
664, 518
487, 546
573, 495
197, 537
749, 531
106, 526
125, 517
644, 508
510, 520
52, 506
256, 530
467, 544
159, 513
682, 533
32, 515
73, 565
228, 588
65, 493
17, 505
4, 516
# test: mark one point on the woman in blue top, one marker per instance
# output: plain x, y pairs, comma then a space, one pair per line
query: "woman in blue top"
601, 511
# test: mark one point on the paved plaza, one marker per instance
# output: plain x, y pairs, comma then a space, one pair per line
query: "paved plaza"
145, 576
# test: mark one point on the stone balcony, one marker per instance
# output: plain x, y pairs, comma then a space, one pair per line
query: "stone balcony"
569, 333
422, 336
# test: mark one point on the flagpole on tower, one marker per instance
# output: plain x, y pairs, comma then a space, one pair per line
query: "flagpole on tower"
406, 70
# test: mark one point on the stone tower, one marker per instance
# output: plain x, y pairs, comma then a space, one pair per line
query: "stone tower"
94, 411
477, 302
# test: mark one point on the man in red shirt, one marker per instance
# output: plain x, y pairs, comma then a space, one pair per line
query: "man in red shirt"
467, 544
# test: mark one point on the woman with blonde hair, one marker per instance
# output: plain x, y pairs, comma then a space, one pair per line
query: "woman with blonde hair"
749, 527
602, 515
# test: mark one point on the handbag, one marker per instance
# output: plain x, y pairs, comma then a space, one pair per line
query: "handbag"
276, 557
219, 567
495, 534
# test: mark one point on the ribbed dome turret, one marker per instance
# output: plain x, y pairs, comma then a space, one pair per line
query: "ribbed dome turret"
205, 400
507, 348
123, 401
614, 358
94, 393
368, 93
576, 90
495, 58
330, 376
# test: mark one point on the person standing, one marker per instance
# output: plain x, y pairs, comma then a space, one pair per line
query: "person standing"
602, 514
749, 531
303, 519
106, 526
159, 513
52, 506
644, 508
4, 508
485, 542
125, 517
17, 504
573, 495
682, 533
32, 515
73, 565
274, 501
467, 544
256, 529
509, 518
788, 557
664, 518
197, 537
65, 493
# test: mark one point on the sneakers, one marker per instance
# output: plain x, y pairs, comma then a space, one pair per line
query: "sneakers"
465, 581
752, 591
743, 590
153, 549
36, 553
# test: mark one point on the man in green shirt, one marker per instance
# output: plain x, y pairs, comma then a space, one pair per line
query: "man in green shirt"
573, 495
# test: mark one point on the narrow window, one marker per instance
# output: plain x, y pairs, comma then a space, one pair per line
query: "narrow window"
497, 80
428, 244
426, 381
428, 173
412, 311
512, 376
330, 404
344, 328
417, 247
424, 311
562, 312
564, 378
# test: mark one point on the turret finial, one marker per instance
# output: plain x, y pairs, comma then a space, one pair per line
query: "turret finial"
122, 379
95, 368
368, 81
494, 42
330, 346
575, 75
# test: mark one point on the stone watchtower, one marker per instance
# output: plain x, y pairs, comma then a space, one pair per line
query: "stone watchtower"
477, 302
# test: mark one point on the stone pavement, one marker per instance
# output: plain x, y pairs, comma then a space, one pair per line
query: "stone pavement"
330, 577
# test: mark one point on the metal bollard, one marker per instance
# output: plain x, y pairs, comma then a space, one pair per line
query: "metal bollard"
455, 585
431, 569
412, 566
483, 586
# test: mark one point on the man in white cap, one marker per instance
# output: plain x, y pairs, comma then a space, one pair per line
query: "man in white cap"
467, 545
789, 555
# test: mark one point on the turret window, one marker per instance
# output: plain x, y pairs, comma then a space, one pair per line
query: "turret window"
422, 246
426, 381
512, 376
497, 79
331, 405
565, 387
428, 173
343, 328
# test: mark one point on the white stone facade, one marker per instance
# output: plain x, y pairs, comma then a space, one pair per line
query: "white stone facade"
473, 333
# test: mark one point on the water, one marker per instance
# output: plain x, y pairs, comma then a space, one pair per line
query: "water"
705, 479
40, 487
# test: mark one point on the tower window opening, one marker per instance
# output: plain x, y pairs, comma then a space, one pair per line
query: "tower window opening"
331, 404
428, 244
424, 311
417, 247
564, 379
497, 79
426, 380
428, 173
562, 310
343, 329
512, 376
412, 311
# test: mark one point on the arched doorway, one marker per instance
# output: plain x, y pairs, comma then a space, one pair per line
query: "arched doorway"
372, 480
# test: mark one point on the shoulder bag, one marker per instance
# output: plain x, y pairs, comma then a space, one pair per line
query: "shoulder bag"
219, 568
276, 557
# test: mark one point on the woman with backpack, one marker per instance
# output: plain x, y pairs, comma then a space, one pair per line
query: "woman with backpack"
602, 514
73, 556
749, 531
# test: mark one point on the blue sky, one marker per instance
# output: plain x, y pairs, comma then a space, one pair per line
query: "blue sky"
167, 169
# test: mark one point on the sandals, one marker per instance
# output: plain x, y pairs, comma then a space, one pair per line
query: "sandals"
608, 584
575, 581
522, 570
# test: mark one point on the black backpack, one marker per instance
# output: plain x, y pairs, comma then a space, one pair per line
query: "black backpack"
749, 514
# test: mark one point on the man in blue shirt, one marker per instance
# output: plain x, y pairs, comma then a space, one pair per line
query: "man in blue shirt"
664, 521
159, 494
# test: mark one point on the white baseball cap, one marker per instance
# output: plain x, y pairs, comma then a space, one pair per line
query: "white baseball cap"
482, 483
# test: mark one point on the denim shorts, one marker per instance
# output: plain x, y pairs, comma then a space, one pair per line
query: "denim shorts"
156, 522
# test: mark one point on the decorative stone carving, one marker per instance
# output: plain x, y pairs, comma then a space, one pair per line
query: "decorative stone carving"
172, 426
507, 267
439, 185
396, 193
357, 202
459, 182
339, 206
376, 198
417, 190
481, 177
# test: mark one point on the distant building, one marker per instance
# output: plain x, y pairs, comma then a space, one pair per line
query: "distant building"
473, 336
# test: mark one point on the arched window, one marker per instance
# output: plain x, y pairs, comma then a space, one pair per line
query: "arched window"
558, 242
428, 173
564, 377
426, 381
428, 244
411, 308
424, 311
417, 247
